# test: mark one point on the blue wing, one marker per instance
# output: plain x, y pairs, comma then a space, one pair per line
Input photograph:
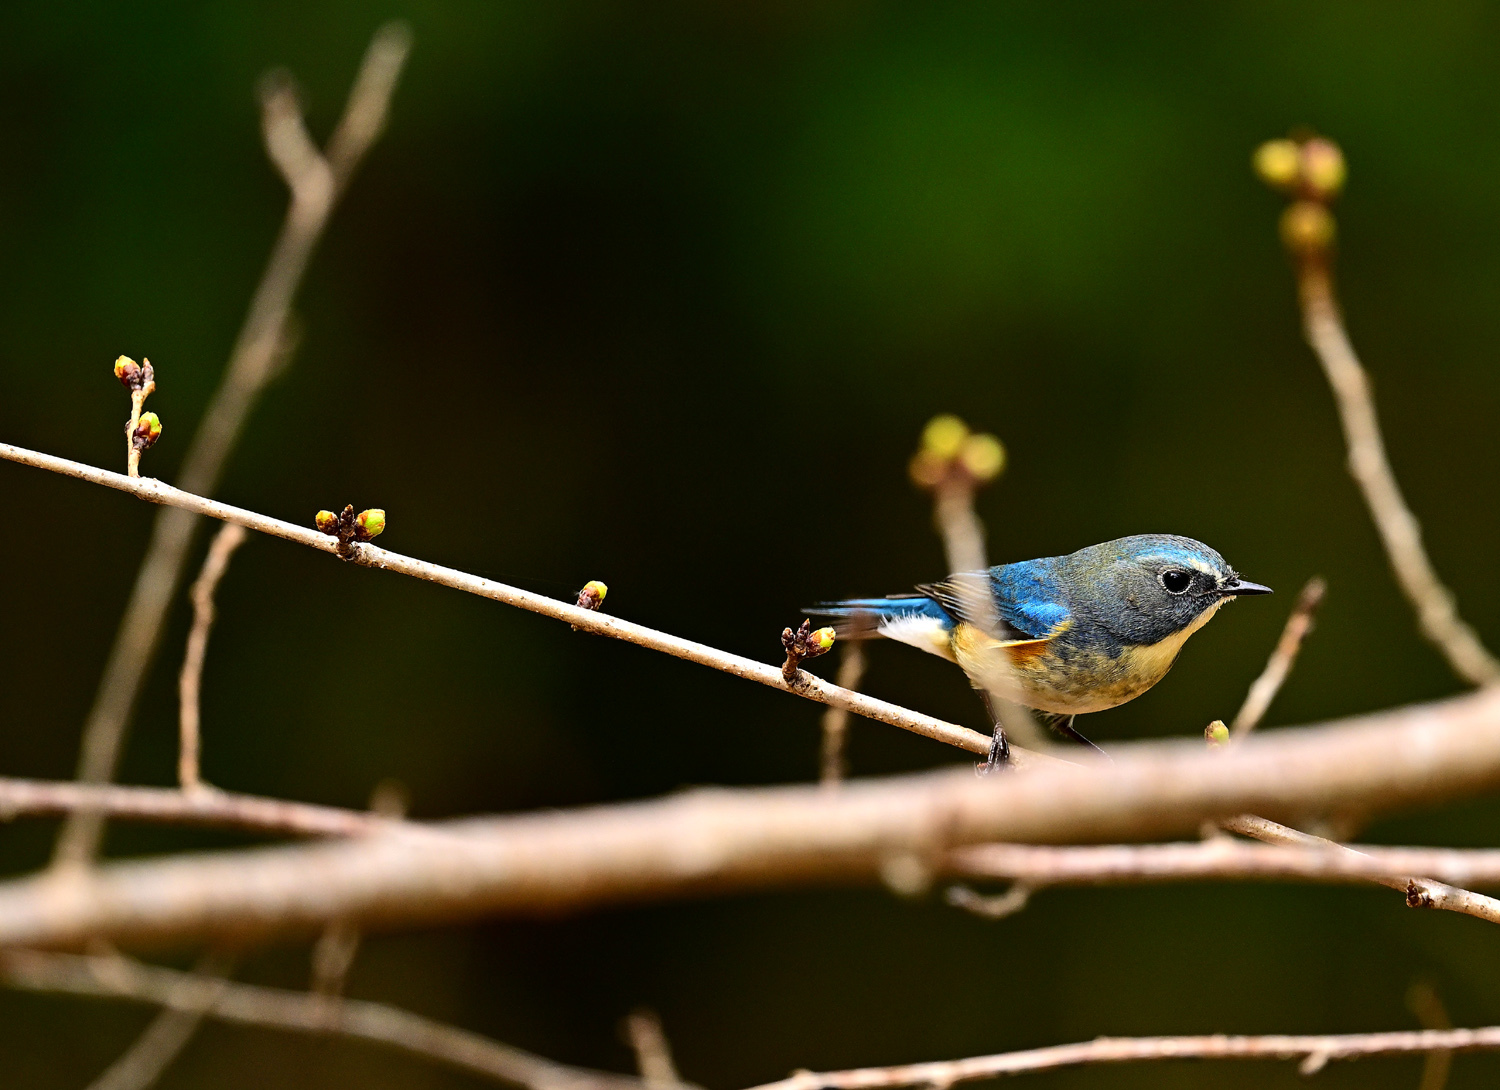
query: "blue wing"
1028, 603
1028, 597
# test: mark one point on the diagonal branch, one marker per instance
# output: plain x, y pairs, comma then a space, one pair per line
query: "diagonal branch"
603, 624
300, 1012
261, 342
1400, 533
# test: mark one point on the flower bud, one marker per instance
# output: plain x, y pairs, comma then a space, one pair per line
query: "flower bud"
147, 431
927, 470
327, 522
983, 456
943, 435
592, 595
128, 372
820, 642
1323, 168
1216, 734
1279, 163
1307, 228
369, 524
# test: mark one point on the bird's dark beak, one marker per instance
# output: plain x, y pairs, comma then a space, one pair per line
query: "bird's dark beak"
1241, 586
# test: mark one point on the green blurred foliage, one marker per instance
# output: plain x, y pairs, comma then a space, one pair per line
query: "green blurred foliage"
662, 295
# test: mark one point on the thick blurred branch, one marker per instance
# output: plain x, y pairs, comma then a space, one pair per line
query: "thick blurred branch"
316, 182
1315, 1050
722, 840
190, 681
300, 1012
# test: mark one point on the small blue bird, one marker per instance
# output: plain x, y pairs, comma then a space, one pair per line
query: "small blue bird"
1064, 635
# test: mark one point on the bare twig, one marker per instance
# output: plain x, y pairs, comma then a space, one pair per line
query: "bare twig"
836, 720
1423, 1000
946, 1073
169, 1032
1223, 859
1437, 613
1420, 892
715, 841
190, 682
261, 344
602, 624
653, 1055
221, 809
299, 1012
1264, 689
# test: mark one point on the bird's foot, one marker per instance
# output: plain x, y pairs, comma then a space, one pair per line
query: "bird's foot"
999, 754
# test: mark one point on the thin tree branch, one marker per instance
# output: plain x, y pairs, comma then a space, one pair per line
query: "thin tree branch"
834, 765
1420, 892
252, 363
190, 682
300, 1012
1346, 1046
714, 841
1264, 689
1423, 1001
1223, 859
1400, 533
653, 1055
169, 1032
602, 624
211, 809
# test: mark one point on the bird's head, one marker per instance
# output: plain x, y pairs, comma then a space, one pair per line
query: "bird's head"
1152, 586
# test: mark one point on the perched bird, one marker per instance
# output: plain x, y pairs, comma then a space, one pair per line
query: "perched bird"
1064, 635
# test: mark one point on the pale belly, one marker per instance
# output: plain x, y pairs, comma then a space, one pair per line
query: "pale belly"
1068, 681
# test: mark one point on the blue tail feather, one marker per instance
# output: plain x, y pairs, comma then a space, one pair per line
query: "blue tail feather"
862, 618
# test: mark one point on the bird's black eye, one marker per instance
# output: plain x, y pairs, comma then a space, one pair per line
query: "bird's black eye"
1176, 581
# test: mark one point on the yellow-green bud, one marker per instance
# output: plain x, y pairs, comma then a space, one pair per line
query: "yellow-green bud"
595, 589
1279, 163
127, 371
943, 435
327, 522
1217, 734
1323, 168
983, 456
820, 641
147, 430
369, 524
1307, 228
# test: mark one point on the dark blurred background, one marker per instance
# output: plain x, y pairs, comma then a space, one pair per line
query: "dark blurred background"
663, 295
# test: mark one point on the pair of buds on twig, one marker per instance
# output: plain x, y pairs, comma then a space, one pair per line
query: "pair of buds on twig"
144, 429
349, 527
1311, 170
951, 454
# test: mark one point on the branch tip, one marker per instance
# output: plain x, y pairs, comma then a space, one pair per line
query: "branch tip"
803, 644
